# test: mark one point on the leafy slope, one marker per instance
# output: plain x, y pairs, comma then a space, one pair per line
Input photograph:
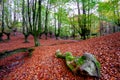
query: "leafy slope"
44, 66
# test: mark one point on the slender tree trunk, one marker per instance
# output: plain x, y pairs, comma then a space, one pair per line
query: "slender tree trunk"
78, 7
118, 13
55, 25
15, 7
59, 26
84, 21
114, 21
26, 38
8, 36
39, 20
1, 33
24, 24
88, 18
46, 21
2, 16
73, 26
39, 15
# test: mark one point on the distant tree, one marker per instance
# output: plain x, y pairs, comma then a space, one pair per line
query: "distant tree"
59, 15
116, 10
109, 13
84, 17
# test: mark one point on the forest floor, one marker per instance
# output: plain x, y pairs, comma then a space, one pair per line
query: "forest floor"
43, 65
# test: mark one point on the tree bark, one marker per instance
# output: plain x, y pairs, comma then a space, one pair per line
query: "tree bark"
35, 17
83, 29
46, 20
78, 7
1, 35
36, 41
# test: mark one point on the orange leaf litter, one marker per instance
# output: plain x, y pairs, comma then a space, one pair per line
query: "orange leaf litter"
44, 66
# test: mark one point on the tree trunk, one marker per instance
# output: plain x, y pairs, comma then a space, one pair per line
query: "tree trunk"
24, 24
26, 38
34, 15
84, 36
39, 18
55, 25
59, 25
2, 30
8, 35
36, 41
78, 7
73, 34
46, 21
84, 21
1, 35
114, 29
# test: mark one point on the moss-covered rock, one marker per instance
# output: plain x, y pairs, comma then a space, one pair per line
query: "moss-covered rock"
85, 65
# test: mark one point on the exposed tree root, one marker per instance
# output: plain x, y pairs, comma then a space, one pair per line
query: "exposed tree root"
10, 52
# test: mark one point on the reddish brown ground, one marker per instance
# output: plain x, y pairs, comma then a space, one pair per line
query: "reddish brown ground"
44, 66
